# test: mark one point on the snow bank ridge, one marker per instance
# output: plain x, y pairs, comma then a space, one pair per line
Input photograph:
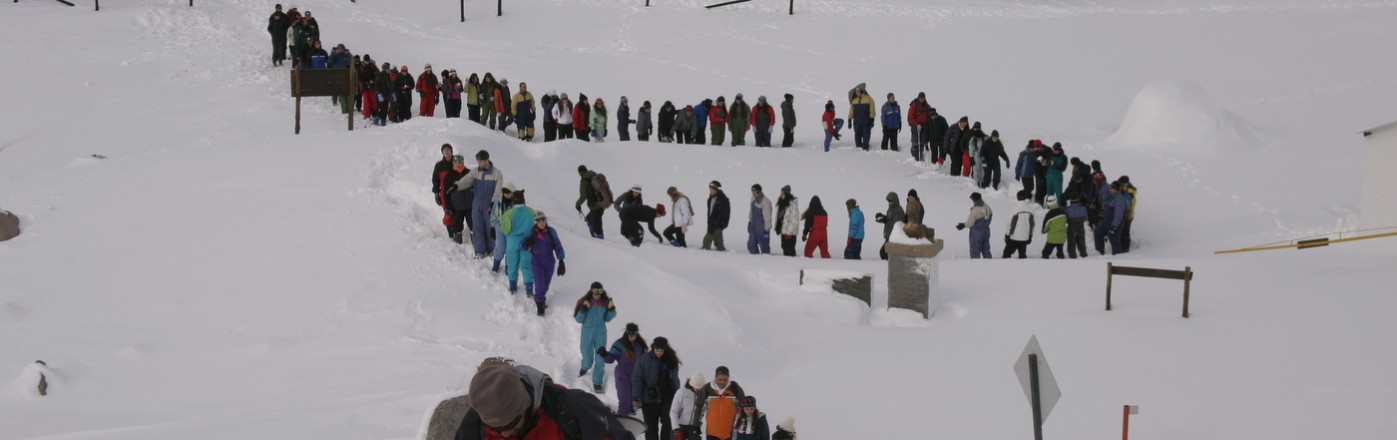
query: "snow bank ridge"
1178, 116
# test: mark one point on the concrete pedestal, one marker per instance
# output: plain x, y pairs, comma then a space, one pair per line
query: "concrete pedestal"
912, 276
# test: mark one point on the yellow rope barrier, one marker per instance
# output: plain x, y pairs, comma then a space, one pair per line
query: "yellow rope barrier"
1300, 242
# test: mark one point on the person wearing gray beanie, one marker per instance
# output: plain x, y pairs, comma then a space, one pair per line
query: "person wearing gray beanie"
519, 401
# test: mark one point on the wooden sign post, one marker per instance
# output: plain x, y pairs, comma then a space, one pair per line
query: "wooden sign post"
323, 82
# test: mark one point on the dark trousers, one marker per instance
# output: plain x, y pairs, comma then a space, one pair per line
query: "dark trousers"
1027, 183
934, 152
675, 235
582, 134
787, 139
699, 136
278, 50
550, 131
1048, 249
1125, 235
788, 245
405, 105
1040, 189
455, 228
473, 112
657, 424
1076, 238
1102, 236
863, 131
957, 162
762, 133
453, 108
625, 131
890, 137
990, 176
1012, 246
854, 249
564, 131
883, 251
683, 138
594, 223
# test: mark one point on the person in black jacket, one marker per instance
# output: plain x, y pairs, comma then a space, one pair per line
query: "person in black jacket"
631, 218
276, 25
990, 154
404, 85
441, 167
456, 202
719, 212
935, 135
955, 143
788, 121
653, 384
519, 401
383, 91
667, 115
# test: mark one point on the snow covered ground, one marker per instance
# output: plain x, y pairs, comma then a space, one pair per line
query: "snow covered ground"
217, 276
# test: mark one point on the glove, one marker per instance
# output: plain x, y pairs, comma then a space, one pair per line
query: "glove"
804, 237
960, 226
562, 267
849, 242
601, 351
880, 218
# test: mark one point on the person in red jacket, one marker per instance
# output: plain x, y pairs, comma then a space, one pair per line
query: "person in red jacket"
917, 113
427, 88
814, 233
831, 124
762, 121
580, 118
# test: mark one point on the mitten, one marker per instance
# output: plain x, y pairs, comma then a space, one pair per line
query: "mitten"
562, 268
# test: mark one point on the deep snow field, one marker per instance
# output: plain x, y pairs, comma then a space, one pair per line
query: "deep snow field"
216, 276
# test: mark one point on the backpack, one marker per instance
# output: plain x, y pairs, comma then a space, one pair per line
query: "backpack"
601, 191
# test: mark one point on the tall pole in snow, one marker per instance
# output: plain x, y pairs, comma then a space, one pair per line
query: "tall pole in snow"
1037, 407
499, 11
793, 7
463, 11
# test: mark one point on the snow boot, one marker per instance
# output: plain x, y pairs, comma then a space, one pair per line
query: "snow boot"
597, 389
582, 372
529, 289
513, 287
541, 307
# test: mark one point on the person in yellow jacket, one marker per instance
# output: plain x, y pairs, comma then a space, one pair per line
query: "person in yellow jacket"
720, 400
524, 112
862, 112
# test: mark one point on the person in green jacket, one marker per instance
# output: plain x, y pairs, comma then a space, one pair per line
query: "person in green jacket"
598, 122
473, 97
1055, 227
717, 120
738, 115
487, 100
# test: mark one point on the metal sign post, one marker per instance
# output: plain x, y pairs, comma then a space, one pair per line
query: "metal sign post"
1038, 383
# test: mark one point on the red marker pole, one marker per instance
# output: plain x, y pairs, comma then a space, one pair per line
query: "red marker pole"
1125, 423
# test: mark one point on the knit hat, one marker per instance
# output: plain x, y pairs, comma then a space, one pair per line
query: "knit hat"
497, 394
632, 328
482, 155
427, 67
721, 371
757, 187
786, 189
688, 108
994, 133
402, 68
721, 99
599, 101
387, 66
715, 184
672, 191
539, 215
660, 209
1051, 201
636, 188
504, 81
518, 196
563, 96
851, 203
1057, 145
892, 196
581, 169
761, 98
739, 96
697, 380
921, 94
975, 196
458, 158
748, 402
789, 97
596, 285
660, 342
789, 425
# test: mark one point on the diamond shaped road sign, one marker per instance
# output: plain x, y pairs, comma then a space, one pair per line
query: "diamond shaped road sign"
1048, 392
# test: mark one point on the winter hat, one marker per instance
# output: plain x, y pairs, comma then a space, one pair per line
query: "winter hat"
789, 425
994, 133
1051, 201
976, 125
757, 187
539, 215
387, 66
659, 209
482, 155
599, 101
497, 394
504, 81
596, 285
518, 196
689, 108
739, 96
581, 169
1057, 145
892, 197
851, 203
307, 13
786, 189
829, 105
458, 158
933, 111
660, 342
721, 371
912, 193
965, 119
697, 380
749, 402
563, 96
1124, 179
632, 328
636, 188
789, 97
919, 95
402, 68
715, 184
508, 189
624, 100
672, 191
761, 98
975, 196
552, 92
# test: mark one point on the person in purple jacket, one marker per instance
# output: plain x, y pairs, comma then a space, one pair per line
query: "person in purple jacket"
543, 244
624, 353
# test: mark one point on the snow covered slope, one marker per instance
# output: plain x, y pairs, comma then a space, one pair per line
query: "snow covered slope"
216, 276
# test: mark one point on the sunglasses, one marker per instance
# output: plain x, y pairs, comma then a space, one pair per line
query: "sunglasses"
597, 291
511, 426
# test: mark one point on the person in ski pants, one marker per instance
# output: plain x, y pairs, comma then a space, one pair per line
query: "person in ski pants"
593, 311
515, 224
979, 222
543, 244
487, 183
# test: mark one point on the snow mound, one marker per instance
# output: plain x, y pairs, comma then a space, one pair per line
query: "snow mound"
25, 386
1178, 115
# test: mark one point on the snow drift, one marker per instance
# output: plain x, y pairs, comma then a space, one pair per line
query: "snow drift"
1178, 115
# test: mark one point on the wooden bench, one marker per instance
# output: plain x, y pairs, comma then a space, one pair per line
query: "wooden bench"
1186, 275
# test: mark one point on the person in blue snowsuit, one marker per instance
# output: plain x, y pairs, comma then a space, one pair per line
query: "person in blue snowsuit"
701, 119
1027, 166
853, 249
497, 210
1113, 205
593, 311
516, 224
486, 184
543, 244
979, 221
759, 223
624, 353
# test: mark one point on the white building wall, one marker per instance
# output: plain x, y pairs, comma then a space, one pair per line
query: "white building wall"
1378, 207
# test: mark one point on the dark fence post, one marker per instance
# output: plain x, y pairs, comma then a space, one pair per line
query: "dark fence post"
463, 11
793, 7
499, 5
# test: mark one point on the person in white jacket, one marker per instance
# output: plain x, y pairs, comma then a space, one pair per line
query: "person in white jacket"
788, 220
681, 219
562, 113
684, 411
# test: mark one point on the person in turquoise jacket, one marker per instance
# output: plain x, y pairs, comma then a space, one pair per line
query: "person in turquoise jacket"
1057, 163
593, 311
853, 249
516, 224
